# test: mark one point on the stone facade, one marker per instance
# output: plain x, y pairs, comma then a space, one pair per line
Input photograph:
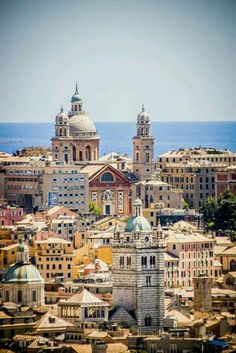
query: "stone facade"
138, 272
202, 296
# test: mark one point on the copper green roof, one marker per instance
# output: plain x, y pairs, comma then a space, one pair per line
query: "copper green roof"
22, 273
137, 224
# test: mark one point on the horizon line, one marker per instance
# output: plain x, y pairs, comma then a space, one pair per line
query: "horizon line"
125, 122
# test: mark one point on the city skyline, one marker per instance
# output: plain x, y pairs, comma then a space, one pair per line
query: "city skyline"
176, 58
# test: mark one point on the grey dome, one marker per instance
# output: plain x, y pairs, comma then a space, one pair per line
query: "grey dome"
81, 123
143, 115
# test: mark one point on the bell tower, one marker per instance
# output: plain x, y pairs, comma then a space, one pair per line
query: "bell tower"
143, 147
76, 102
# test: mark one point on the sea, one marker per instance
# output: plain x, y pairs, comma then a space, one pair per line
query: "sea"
117, 136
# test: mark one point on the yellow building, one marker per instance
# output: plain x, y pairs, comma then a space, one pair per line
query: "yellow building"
55, 259
8, 255
227, 257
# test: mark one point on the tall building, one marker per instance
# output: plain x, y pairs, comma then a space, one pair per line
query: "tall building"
76, 138
143, 147
138, 273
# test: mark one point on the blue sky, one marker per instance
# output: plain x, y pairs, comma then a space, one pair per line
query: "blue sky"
176, 57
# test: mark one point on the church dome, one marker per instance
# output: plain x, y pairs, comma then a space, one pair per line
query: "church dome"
139, 223
81, 123
143, 115
22, 273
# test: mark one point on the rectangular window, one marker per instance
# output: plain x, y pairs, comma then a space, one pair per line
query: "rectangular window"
34, 295
19, 296
148, 281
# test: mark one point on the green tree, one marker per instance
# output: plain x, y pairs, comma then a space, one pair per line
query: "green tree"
219, 213
94, 209
185, 205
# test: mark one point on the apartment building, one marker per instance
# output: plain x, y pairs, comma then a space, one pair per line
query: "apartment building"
55, 259
157, 192
37, 184
226, 179
194, 171
188, 254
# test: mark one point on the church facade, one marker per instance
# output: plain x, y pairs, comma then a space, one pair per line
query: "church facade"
76, 138
138, 274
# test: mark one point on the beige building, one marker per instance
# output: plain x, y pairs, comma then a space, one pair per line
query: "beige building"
36, 183
55, 259
163, 195
193, 170
76, 138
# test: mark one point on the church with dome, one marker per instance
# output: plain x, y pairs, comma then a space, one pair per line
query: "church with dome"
138, 274
22, 283
76, 138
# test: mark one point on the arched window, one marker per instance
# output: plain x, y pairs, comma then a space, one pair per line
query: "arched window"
128, 261
148, 320
107, 177
232, 265
144, 261
74, 153
88, 153
152, 261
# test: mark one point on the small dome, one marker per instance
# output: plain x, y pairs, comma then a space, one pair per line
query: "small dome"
25, 273
81, 123
61, 117
143, 115
139, 223
137, 202
76, 97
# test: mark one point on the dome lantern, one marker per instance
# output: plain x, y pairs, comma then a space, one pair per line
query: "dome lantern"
22, 253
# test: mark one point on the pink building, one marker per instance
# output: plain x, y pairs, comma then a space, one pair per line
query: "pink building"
10, 215
188, 254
